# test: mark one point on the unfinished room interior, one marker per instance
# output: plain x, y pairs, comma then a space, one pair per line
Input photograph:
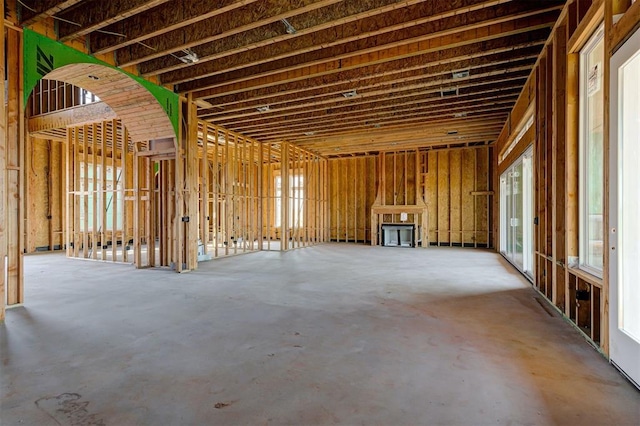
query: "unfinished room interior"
314, 212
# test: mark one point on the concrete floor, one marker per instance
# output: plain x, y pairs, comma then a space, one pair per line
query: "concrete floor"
334, 334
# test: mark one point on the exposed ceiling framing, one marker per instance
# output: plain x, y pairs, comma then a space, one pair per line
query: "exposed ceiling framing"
337, 77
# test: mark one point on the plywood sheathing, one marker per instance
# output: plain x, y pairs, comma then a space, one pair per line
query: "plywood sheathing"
141, 113
457, 193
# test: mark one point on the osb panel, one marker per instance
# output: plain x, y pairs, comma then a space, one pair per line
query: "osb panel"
456, 215
352, 192
38, 199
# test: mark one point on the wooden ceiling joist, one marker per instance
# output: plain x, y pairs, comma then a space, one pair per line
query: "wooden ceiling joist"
337, 77
410, 87
387, 82
160, 20
97, 14
453, 109
366, 38
438, 61
468, 91
377, 119
372, 24
205, 31
275, 32
295, 69
423, 119
32, 11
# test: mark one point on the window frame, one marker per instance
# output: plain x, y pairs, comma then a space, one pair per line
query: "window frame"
296, 199
584, 144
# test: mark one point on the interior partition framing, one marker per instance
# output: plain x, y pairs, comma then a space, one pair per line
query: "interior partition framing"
295, 200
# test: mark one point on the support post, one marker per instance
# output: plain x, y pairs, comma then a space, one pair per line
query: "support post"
3, 174
14, 171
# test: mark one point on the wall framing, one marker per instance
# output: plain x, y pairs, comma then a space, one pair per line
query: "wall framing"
581, 297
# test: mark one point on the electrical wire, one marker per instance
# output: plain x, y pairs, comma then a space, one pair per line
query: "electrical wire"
24, 5
99, 31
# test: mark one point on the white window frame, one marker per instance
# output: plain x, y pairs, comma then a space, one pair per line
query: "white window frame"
95, 189
296, 200
507, 222
583, 224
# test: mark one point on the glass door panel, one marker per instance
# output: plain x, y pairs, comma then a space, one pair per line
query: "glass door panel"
624, 278
516, 218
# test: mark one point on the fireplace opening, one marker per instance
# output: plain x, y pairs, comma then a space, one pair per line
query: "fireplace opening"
398, 235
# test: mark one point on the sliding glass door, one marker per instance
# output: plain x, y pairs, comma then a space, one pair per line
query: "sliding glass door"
516, 213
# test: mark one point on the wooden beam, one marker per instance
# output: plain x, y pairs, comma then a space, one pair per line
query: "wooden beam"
391, 121
137, 28
305, 126
403, 44
103, 195
97, 14
3, 174
519, 45
429, 89
425, 93
14, 171
249, 16
341, 32
275, 32
380, 83
82, 114
42, 9
624, 28
191, 185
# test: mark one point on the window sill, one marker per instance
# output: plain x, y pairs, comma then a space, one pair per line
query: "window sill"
586, 276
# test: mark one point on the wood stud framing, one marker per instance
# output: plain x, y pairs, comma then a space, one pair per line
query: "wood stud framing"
3, 183
15, 170
295, 204
344, 165
397, 56
580, 296
454, 184
101, 196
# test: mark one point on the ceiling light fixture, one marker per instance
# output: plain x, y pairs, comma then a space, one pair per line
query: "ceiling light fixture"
93, 77
351, 94
264, 108
288, 27
190, 57
452, 132
309, 133
451, 91
460, 74
460, 114
203, 104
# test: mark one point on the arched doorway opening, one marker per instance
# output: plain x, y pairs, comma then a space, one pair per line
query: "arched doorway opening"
110, 188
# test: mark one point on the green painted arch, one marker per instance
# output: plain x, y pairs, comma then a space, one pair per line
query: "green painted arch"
44, 57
